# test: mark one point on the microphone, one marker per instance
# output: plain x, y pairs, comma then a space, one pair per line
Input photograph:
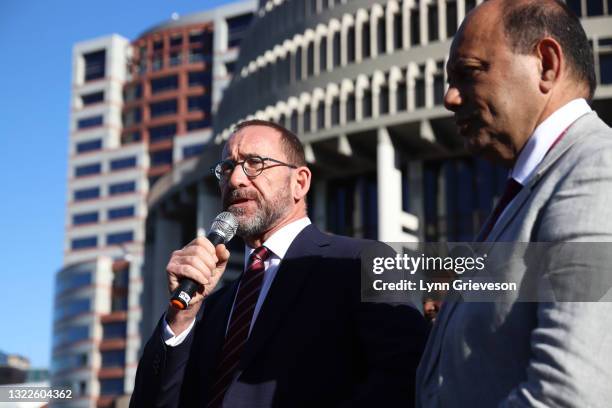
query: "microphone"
222, 231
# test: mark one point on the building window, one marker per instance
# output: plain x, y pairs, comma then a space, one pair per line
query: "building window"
132, 116
115, 330
350, 108
605, 68
365, 40
85, 218
451, 18
381, 35
131, 137
199, 78
132, 92
323, 54
70, 335
89, 146
293, 121
310, 59
158, 45
157, 63
398, 38
159, 133
82, 243
321, 115
72, 308
198, 103
469, 5
71, 280
432, 22
113, 358
419, 88
112, 386
193, 150
87, 170
122, 188
595, 8
237, 28
164, 84
168, 107
307, 119
95, 65
367, 104
336, 49
335, 112
196, 55
161, 158
383, 101
120, 212
402, 96
92, 98
176, 40
87, 194
175, 59
119, 238
575, 6
298, 64
198, 124
350, 44
415, 27
439, 84
90, 122
124, 163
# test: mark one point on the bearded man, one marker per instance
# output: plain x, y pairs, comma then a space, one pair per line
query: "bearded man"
292, 331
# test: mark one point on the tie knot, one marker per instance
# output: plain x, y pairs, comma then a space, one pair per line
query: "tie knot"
259, 254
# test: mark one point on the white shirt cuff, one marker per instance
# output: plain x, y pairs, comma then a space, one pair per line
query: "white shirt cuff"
173, 340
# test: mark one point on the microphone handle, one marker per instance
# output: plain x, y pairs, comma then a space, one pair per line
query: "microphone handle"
187, 287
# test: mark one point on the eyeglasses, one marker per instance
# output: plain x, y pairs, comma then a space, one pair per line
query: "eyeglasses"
252, 167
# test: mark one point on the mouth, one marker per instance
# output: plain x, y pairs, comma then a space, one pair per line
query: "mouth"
464, 125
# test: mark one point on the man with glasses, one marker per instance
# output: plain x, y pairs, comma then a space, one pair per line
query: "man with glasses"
292, 331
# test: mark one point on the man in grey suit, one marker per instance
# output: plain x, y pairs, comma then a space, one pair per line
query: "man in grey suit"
520, 75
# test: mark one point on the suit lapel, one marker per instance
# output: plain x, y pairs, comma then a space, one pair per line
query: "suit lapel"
573, 135
288, 283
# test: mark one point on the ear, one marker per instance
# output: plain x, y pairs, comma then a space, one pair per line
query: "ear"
552, 63
302, 185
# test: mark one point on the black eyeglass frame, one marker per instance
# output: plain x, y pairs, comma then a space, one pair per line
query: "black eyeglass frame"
216, 169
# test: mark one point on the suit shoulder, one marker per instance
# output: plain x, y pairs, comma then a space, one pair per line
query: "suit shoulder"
357, 246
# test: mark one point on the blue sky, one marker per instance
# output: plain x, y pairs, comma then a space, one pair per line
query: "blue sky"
36, 39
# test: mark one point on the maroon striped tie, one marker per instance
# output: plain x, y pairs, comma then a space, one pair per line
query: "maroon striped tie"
240, 322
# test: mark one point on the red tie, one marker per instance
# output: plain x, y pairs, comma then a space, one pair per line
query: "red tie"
240, 322
513, 187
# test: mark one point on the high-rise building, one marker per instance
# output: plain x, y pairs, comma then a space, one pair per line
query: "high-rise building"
139, 109
362, 84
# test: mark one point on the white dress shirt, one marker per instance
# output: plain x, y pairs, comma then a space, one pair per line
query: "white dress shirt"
544, 136
278, 244
542, 139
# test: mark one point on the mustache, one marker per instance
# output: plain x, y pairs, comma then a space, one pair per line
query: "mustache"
239, 194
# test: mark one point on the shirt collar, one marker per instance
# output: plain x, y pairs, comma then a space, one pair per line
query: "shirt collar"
280, 241
544, 136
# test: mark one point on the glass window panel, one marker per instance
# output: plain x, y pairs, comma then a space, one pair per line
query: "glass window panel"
90, 122
122, 188
119, 237
92, 98
89, 146
87, 194
120, 212
85, 218
87, 170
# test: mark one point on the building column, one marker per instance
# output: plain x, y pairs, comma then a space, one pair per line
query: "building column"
208, 205
393, 222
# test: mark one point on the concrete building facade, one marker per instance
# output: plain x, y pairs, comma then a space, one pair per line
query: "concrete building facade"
139, 109
362, 84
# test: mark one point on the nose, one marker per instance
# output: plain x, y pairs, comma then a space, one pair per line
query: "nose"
452, 99
237, 177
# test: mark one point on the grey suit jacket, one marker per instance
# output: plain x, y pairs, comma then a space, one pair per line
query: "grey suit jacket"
546, 354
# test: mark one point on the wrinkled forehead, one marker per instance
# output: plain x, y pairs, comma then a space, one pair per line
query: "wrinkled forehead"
254, 141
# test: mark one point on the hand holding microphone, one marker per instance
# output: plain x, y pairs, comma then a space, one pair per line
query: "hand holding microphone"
195, 270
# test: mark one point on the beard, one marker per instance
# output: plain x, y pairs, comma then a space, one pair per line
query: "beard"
267, 212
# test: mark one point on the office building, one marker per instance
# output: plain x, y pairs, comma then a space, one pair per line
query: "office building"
362, 84
138, 110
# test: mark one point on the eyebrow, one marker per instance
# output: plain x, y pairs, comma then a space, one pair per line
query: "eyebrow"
246, 155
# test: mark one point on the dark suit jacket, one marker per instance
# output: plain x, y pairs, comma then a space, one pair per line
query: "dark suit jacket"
314, 343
